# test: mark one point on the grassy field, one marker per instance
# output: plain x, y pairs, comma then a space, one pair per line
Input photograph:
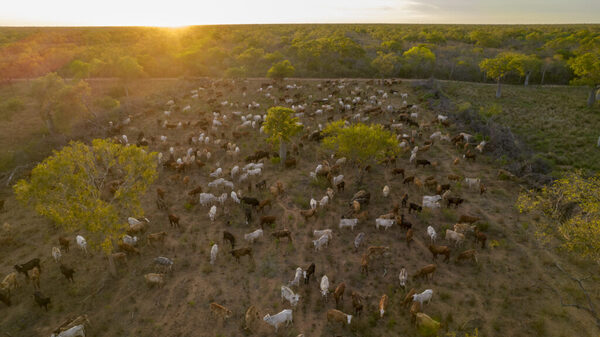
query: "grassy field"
554, 120
507, 293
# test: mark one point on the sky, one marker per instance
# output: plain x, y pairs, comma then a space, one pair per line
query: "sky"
173, 13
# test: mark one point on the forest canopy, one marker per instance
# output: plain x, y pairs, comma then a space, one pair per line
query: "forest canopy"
313, 50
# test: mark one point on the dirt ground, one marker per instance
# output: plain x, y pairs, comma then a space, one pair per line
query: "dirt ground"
507, 293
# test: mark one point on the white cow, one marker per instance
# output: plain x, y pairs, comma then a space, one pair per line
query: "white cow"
358, 239
458, 238
213, 212
403, 277
348, 223
423, 297
276, 320
81, 243
432, 234
385, 223
251, 237
297, 277
320, 232
313, 203
288, 294
320, 242
473, 182
324, 286
56, 254
213, 253
76, 331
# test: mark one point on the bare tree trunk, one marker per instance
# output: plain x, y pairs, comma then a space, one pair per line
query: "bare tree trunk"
527, 78
111, 266
50, 123
451, 72
591, 97
543, 75
499, 89
282, 151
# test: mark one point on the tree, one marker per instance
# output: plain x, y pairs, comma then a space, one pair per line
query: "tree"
128, 69
236, 72
73, 188
526, 64
281, 126
58, 102
281, 70
419, 58
385, 63
80, 69
499, 67
360, 142
587, 69
571, 212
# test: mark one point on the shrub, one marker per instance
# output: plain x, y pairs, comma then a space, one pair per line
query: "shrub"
107, 103
11, 107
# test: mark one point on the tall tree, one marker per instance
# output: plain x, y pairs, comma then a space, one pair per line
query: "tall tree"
499, 67
587, 69
91, 188
281, 70
281, 126
526, 65
419, 59
360, 143
57, 101
385, 63
128, 69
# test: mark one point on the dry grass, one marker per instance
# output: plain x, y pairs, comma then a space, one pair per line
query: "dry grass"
502, 296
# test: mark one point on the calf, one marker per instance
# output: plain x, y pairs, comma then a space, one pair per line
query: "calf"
440, 250
41, 300
173, 220
338, 294
470, 254
455, 200
426, 272
308, 272
25, 267
237, 253
229, 237
67, 272
414, 207
357, 303
334, 315
220, 311
269, 220
284, 233
64, 243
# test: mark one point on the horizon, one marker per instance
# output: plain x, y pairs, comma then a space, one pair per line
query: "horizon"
178, 13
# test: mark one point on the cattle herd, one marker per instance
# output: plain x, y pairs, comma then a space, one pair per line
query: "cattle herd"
334, 225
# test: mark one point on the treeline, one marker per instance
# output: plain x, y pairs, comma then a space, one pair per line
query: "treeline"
444, 51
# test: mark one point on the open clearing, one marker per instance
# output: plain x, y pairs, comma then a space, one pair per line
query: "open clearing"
505, 294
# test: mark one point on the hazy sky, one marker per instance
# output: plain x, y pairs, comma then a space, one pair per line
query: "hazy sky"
198, 12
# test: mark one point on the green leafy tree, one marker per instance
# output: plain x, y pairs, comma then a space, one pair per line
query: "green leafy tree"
236, 72
499, 67
587, 69
385, 63
570, 209
360, 142
91, 188
80, 70
526, 65
419, 59
58, 102
127, 69
281, 126
281, 70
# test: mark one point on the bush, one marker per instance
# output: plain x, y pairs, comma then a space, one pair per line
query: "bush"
107, 103
11, 107
235, 72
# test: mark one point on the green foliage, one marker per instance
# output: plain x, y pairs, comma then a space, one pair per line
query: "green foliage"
281, 70
128, 68
73, 188
587, 69
80, 69
490, 111
526, 64
236, 72
106, 103
57, 101
501, 65
10, 107
360, 142
280, 125
385, 63
418, 59
570, 209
